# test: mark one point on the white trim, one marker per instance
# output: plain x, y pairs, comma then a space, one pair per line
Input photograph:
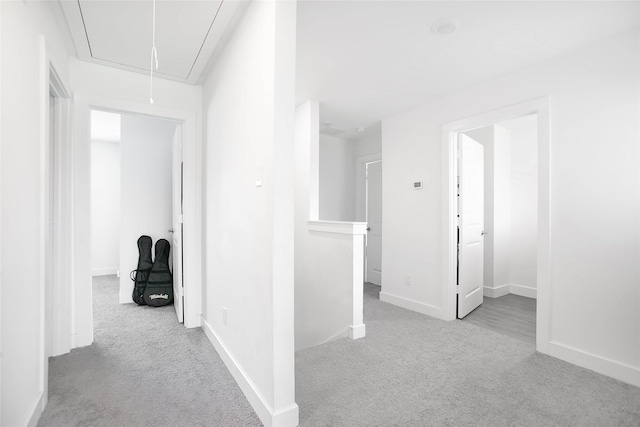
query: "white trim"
539, 106
104, 271
413, 305
286, 417
602, 365
37, 411
524, 291
357, 331
357, 328
497, 291
338, 227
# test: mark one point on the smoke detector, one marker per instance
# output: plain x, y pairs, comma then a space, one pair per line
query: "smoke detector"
445, 26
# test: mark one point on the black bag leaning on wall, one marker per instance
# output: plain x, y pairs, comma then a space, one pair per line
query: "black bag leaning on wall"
159, 289
141, 274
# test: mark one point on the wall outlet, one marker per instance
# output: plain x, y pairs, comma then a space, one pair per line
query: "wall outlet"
224, 316
409, 281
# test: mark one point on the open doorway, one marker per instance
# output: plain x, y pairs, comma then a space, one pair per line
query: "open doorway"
373, 252
497, 257
497, 214
136, 170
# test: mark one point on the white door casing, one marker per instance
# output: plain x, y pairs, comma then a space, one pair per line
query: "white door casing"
177, 167
374, 222
471, 225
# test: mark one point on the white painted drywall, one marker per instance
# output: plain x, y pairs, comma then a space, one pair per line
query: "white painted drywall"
370, 144
524, 200
337, 186
25, 28
146, 148
595, 205
501, 206
105, 207
249, 121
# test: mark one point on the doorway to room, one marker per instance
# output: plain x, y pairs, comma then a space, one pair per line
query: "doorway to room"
497, 213
497, 228
373, 242
136, 189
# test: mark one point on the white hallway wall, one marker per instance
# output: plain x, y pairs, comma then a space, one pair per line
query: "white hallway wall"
249, 121
23, 369
146, 149
105, 207
337, 186
342, 188
524, 196
595, 307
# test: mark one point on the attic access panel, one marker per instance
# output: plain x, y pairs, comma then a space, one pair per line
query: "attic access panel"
119, 32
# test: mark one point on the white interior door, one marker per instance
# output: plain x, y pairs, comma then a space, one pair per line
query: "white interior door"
178, 288
470, 225
374, 223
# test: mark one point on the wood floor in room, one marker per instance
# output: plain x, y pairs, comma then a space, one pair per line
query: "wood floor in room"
510, 314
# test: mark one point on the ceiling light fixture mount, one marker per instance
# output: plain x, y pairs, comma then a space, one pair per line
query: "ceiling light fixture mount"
445, 26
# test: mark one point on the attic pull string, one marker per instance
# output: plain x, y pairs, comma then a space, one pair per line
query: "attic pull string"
154, 53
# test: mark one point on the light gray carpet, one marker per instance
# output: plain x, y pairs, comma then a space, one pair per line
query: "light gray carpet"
413, 370
144, 369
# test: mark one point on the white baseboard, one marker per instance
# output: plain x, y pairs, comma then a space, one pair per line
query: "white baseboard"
37, 411
611, 368
287, 417
413, 305
104, 271
357, 331
498, 291
524, 291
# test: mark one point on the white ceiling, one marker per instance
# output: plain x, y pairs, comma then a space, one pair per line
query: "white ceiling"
118, 33
363, 60
366, 60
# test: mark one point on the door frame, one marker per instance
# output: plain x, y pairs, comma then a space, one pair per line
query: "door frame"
192, 218
362, 195
450, 131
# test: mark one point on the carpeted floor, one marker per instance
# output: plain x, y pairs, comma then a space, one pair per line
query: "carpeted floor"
144, 369
413, 370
